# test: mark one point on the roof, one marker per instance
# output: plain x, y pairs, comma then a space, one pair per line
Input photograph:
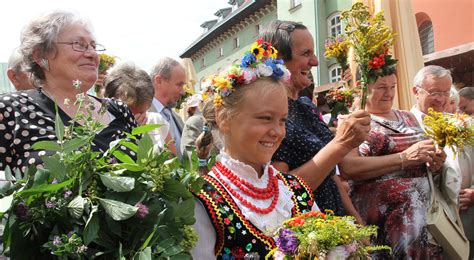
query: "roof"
223, 12
459, 58
244, 11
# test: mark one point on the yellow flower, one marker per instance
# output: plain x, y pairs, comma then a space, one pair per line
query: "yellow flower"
220, 82
218, 101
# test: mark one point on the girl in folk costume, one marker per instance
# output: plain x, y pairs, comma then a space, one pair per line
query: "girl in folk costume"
245, 199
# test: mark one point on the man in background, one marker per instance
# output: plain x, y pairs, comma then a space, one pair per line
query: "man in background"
169, 77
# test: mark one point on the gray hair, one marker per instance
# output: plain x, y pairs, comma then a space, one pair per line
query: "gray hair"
434, 70
453, 93
15, 62
467, 92
130, 84
163, 68
40, 35
278, 33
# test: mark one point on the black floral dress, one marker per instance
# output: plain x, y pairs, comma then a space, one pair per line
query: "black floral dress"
306, 135
28, 117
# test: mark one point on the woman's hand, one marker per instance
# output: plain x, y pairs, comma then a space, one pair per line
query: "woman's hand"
141, 118
353, 129
421, 152
438, 160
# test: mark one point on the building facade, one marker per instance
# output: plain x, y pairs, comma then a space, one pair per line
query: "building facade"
446, 30
228, 37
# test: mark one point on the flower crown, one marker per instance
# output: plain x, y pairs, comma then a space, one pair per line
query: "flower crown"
257, 63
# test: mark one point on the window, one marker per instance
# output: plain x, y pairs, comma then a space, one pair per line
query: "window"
258, 27
295, 3
236, 42
334, 24
220, 52
335, 72
426, 37
203, 63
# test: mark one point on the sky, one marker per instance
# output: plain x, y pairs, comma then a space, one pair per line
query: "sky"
139, 31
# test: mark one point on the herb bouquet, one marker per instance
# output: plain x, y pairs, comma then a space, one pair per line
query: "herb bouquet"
452, 130
339, 99
315, 235
86, 204
371, 39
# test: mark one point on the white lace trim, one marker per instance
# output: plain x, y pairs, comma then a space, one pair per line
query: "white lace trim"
268, 223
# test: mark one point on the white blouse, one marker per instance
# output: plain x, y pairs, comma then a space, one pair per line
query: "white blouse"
267, 223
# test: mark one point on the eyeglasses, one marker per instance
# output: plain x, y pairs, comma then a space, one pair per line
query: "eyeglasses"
82, 46
436, 93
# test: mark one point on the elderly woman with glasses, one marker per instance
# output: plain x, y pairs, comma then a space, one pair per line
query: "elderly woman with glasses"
388, 173
60, 53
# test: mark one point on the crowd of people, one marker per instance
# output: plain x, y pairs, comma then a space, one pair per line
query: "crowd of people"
272, 144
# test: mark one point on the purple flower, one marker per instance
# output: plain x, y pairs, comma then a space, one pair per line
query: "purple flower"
21, 211
55, 181
287, 241
50, 204
67, 194
56, 241
142, 211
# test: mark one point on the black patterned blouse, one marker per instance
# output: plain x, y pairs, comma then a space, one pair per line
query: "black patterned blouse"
306, 135
27, 117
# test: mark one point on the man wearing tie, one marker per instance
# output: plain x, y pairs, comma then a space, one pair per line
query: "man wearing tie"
168, 78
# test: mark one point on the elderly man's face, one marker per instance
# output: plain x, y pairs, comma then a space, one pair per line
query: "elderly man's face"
170, 90
433, 93
466, 105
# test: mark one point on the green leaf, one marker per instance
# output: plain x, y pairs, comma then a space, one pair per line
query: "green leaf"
185, 210
132, 167
145, 129
76, 207
145, 254
148, 239
74, 144
6, 203
118, 183
46, 145
130, 145
92, 227
46, 188
8, 174
59, 129
41, 177
164, 244
174, 188
118, 210
144, 146
56, 168
172, 250
121, 156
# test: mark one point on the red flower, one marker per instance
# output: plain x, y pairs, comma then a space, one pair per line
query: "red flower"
226, 221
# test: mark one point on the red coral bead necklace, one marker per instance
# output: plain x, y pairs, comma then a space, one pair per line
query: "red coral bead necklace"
271, 191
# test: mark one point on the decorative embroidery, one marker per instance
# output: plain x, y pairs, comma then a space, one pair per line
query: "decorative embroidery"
232, 228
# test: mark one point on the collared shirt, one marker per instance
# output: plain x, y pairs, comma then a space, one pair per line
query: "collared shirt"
418, 115
173, 125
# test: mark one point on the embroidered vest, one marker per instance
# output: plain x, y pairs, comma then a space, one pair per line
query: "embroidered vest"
236, 237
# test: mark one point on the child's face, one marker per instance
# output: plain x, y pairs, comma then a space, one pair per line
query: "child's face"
254, 134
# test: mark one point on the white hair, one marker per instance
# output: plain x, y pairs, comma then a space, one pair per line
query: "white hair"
453, 94
434, 70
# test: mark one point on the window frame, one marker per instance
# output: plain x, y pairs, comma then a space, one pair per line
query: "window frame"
335, 67
337, 26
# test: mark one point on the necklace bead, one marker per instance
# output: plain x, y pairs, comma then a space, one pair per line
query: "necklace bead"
271, 191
